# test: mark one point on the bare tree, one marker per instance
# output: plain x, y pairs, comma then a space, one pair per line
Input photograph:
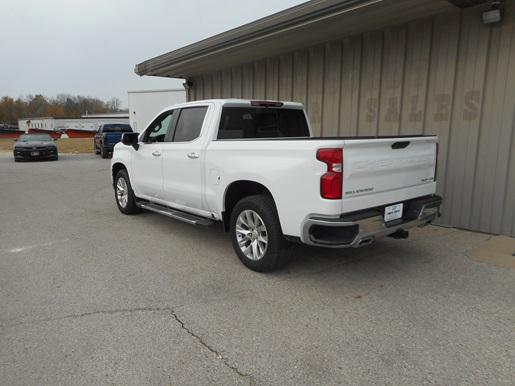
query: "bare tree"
62, 105
113, 104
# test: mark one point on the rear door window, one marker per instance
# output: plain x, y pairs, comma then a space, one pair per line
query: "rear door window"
189, 124
262, 122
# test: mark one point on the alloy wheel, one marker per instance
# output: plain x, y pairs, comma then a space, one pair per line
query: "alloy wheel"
122, 192
251, 235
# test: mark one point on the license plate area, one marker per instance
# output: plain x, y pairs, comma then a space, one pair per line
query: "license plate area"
393, 212
34, 153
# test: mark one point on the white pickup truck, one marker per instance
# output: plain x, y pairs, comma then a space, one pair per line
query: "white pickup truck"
255, 167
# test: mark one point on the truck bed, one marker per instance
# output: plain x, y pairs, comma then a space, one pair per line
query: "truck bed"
345, 138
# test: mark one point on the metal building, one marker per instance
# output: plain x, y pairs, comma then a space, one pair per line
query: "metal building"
85, 126
377, 67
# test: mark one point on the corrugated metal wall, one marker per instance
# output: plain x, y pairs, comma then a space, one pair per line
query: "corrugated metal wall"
448, 75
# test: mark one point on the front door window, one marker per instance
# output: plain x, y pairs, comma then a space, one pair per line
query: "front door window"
158, 130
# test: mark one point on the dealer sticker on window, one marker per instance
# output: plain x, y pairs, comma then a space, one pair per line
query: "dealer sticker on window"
392, 212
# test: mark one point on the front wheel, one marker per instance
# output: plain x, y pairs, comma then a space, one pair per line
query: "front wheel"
103, 152
256, 234
125, 198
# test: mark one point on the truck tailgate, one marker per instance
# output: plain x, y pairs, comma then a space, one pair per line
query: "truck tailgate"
380, 165
112, 138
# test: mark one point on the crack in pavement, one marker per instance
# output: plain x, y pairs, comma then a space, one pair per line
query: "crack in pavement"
172, 312
77, 316
224, 360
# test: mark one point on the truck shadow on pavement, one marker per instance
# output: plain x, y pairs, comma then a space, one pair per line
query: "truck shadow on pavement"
380, 256
370, 260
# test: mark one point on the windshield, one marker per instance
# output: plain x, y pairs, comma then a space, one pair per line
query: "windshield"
115, 127
31, 137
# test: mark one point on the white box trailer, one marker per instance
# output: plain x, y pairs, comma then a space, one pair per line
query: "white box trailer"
145, 104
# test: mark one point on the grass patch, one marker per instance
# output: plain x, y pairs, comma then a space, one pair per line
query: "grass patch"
75, 145
64, 145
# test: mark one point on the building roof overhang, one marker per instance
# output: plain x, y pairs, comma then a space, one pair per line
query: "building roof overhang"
298, 27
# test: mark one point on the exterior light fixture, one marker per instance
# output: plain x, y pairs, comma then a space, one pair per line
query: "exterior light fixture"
494, 14
188, 84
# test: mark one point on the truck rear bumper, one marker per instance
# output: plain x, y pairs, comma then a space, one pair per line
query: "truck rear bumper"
361, 228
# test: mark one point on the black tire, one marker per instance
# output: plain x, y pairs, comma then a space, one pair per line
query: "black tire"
96, 149
130, 207
276, 253
104, 152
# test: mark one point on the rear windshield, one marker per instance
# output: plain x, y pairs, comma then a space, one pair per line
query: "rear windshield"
35, 137
262, 122
115, 127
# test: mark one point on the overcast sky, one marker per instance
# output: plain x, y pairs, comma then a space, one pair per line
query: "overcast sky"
90, 47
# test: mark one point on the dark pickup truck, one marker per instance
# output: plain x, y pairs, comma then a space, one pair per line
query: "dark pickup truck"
108, 135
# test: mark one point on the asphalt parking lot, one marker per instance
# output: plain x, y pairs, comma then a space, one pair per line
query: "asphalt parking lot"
90, 296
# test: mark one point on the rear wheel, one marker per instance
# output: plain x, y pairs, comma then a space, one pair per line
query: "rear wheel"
96, 149
125, 198
256, 234
104, 152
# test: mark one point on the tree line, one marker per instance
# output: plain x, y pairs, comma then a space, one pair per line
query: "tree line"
61, 106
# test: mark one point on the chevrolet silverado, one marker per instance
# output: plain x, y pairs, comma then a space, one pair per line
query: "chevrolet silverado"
255, 167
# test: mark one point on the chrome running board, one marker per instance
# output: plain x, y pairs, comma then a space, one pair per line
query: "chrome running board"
176, 214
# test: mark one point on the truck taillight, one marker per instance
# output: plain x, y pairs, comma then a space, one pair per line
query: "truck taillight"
331, 182
436, 162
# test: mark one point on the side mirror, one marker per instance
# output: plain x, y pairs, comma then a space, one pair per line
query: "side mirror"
131, 139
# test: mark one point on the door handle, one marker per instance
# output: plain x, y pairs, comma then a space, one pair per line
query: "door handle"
193, 155
156, 153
